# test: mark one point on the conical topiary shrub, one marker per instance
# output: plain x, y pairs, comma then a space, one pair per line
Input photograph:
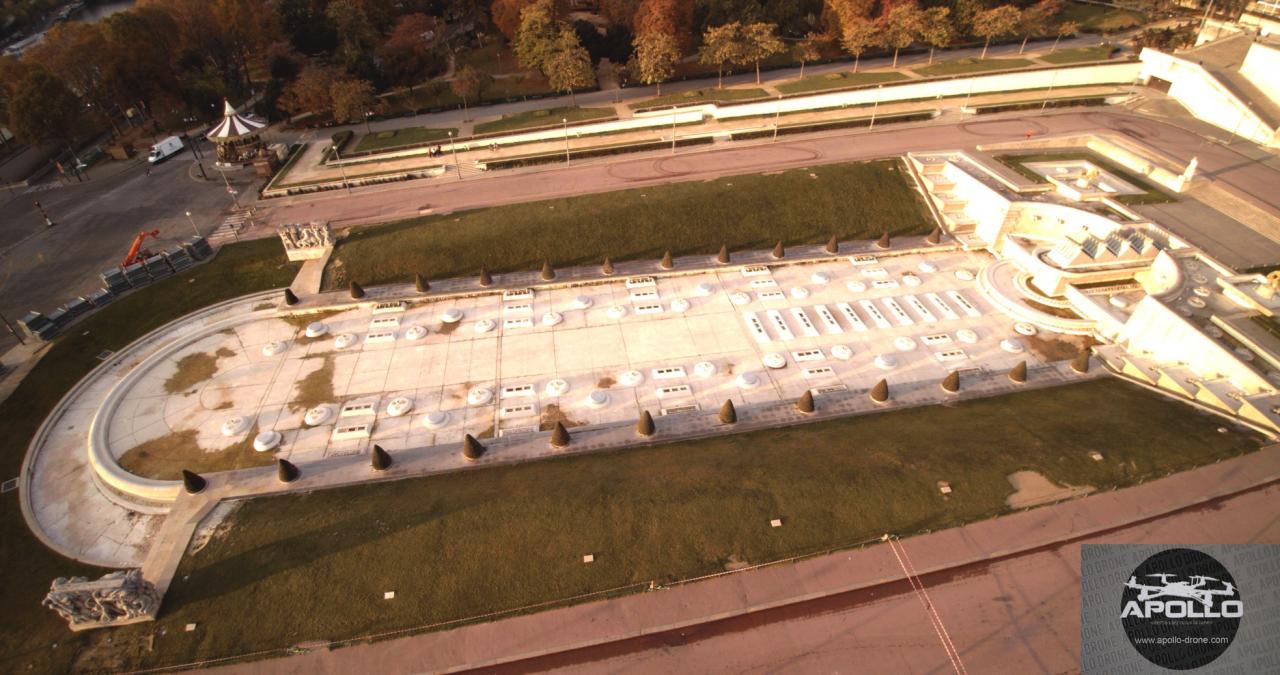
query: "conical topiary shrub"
1019, 372
666, 262
779, 251
833, 245
1080, 363
471, 448
380, 460
723, 256
289, 297
420, 283
728, 413
805, 404
286, 471
883, 241
880, 392
193, 482
645, 426
356, 291
935, 237
560, 436
547, 272
607, 267
486, 279
951, 383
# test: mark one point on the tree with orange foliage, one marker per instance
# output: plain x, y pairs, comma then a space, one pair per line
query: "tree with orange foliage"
673, 18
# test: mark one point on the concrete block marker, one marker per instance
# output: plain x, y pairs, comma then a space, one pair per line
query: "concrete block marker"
776, 522
588, 558
189, 627
389, 595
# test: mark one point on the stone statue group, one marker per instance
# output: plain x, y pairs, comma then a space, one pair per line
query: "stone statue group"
118, 597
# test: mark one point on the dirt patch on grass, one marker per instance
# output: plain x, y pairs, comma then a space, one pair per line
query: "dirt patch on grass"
194, 369
552, 414
1033, 489
165, 457
315, 388
1057, 347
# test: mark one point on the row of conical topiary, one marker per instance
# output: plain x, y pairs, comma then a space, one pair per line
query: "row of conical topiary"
548, 273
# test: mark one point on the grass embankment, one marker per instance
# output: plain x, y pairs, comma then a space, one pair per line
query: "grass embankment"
840, 80
394, 138
971, 65
1079, 55
698, 96
542, 118
315, 566
852, 201
1152, 195
1099, 18
27, 630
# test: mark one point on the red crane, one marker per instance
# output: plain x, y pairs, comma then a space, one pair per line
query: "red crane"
136, 252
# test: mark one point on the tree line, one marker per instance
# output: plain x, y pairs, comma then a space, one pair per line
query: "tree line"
174, 60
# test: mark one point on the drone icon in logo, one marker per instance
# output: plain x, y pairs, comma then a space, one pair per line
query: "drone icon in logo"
1191, 590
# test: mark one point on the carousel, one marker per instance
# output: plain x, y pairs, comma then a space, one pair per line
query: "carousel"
237, 138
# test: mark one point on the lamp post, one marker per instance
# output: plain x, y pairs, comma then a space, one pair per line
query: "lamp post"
565, 122
874, 108
454, 148
235, 201
193, 223
1052, 81
15, 333
48, 222
342, 168
367, 115
777, 115
673, 130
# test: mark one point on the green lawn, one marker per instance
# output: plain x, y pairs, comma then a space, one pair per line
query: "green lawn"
307, 567
1095, 18
384, 140
971, 65
753, 211
26, 629
1153, 195
542, 118
840, 80
1079, 54
698, 96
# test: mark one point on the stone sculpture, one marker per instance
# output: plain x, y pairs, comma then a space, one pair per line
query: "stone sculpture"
118, 598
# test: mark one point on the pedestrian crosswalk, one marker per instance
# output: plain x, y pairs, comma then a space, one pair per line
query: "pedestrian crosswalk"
231, 227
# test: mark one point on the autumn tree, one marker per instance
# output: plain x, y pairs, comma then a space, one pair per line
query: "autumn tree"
43, 110
506, 15
244, 26
12, 72
1064, 28
809, 48
901, 26
137, 65
655, 58
569, 65
759, 42
71, 51
351, 99
356, 36
936, 30
1035, 19
409, 54
857, 35
673, 18
537, 37
309, 93
720, 45
995, 22
469, 83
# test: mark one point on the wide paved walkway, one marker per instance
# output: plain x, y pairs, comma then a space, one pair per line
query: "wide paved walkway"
975, 605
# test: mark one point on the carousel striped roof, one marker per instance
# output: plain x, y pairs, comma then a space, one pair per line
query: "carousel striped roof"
234, 125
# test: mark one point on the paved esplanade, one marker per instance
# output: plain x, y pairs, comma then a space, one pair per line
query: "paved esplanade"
507, 365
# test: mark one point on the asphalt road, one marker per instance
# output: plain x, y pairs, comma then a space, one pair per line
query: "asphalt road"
43, 267
1019, 615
